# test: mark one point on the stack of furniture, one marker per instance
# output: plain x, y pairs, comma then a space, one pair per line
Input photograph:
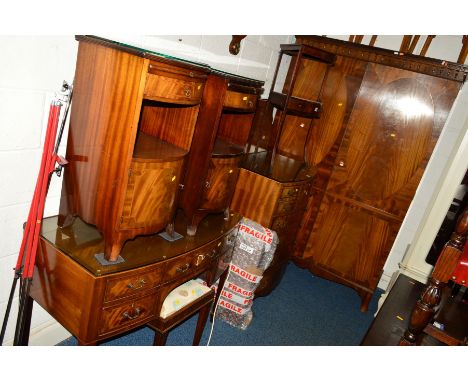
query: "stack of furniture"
153, 147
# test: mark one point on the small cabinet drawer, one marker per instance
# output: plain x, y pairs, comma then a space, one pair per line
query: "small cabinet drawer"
191, 262
128, 314
290, 192
126, 286
175, 85
241, 101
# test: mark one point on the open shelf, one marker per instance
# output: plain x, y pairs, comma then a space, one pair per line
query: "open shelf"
224, 148
152, 149
308, 52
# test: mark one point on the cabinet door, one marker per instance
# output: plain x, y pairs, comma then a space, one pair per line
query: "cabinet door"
150, 196
389, 138
391, 133
220, 183
351, 242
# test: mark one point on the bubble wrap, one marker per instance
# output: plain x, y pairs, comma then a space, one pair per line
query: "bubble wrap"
252, 254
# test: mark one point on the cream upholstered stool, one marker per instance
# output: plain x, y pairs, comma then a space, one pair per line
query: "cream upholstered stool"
183, 302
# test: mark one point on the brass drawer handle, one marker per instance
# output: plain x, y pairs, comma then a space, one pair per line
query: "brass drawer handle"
139, 284
187, 93
183, 269
212, 253
130, 317
250, 103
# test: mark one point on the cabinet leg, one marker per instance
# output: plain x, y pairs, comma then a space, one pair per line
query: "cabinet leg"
365, 300
112, 250
201, 322
194, 221
160, 338
423, 312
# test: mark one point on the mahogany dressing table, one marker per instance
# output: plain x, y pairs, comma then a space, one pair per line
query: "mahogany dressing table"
95, 301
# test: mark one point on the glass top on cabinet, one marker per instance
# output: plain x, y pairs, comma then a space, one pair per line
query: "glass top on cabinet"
82, 242
138, 51
132, 49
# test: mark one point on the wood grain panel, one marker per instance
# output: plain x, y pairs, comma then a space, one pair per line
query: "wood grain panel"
235, 127
221, 181
240, 101
171, 123
60, 296
251, 188
108, 91
383, 165
151, 195
294, 135
351, 242
174, 90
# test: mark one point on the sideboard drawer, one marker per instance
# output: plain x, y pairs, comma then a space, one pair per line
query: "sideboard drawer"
127, 314
241, 101
126, 286
175, 85
193, 261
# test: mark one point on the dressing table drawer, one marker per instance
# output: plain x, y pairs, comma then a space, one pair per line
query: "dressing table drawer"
127, 286
131, 313
175, 85
241, 101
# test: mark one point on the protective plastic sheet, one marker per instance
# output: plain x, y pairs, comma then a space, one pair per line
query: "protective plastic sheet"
253, 252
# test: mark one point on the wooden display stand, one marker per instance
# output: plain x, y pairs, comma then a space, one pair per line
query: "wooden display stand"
274, 185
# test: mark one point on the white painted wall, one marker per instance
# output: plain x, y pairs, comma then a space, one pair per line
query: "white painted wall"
33, 68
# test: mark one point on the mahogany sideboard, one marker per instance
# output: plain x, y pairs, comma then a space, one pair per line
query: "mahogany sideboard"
95, 301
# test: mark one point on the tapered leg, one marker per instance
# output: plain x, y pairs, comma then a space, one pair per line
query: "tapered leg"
201, 322
423, 312
160, 338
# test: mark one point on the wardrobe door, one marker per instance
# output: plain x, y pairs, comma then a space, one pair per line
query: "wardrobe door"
391, 133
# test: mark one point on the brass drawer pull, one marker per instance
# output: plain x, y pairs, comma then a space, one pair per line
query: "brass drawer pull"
183, 269
130, 317
212, 253
187, 93
139, 284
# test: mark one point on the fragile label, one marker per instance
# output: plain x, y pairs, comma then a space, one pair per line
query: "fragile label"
244, 274
230, 306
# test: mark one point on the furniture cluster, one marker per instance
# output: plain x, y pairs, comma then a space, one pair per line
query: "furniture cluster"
330, 161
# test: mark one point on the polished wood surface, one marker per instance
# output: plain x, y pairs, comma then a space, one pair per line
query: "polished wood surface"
222, 130
151, 149
95, 301
171, 123
419, 64
235, 127
99, 157
377, 131
169, 83
150, 199
240, 101
273, 204
220, 183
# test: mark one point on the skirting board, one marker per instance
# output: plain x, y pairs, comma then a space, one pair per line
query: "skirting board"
49, 333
